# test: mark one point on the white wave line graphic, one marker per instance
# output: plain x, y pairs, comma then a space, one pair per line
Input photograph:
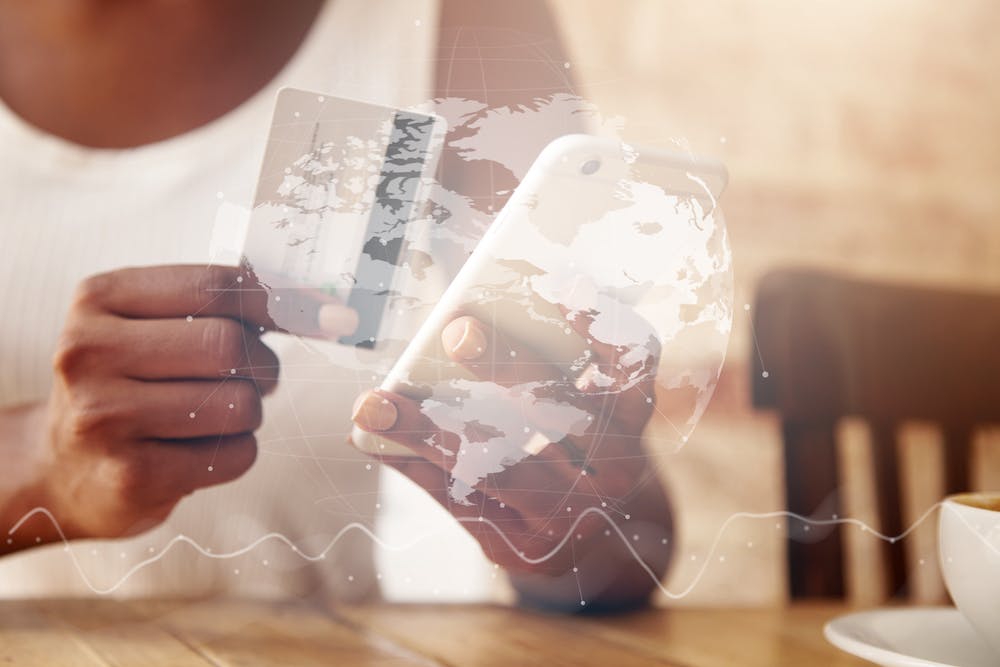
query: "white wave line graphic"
321, 555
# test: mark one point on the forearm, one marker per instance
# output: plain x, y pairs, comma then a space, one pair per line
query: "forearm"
21, 484
608, 575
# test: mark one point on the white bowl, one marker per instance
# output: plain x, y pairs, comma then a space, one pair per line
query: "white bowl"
969, 548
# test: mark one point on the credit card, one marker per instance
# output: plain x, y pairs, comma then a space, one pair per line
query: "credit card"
339, 184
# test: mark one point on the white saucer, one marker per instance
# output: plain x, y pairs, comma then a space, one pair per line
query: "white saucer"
911, 637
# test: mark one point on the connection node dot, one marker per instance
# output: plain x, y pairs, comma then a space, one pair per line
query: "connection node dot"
211, 468
189, 318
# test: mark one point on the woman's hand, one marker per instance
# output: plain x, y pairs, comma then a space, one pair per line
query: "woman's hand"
158, 379
565, 520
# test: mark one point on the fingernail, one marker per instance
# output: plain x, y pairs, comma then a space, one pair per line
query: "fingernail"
374, 413
463, 339
337, 319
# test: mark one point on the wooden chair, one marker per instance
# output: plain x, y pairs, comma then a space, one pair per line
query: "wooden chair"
831, 347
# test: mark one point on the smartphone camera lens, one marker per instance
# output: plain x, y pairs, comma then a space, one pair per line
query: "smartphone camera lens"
590, 167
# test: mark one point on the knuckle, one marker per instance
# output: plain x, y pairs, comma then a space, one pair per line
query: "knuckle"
212, 284
92, 416
91, 291
223, 340
71, 355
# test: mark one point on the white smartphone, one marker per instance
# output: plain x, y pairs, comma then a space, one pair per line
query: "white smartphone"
582, 198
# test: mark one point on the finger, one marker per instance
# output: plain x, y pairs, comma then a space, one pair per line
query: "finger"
309, 312
172, 469
626, 350
204, 291
491, 354
506, 466
621, 377
175, 349
401, 420
186, 409
621, 410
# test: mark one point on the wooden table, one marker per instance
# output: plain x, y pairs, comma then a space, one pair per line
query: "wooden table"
233, 632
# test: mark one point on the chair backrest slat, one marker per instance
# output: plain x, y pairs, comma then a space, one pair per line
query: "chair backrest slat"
831, 347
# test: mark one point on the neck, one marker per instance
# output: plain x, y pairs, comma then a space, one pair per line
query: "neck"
116, 73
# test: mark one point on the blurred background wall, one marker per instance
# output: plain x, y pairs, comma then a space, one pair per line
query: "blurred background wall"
860, 136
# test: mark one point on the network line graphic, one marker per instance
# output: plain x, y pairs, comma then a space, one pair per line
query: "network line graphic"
614, 528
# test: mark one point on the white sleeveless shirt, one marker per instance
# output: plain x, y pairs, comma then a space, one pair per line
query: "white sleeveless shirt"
67, 212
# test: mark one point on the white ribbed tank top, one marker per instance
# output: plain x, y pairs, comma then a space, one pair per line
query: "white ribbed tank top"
67, 212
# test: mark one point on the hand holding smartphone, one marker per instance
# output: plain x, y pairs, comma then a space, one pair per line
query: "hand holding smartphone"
563, 270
